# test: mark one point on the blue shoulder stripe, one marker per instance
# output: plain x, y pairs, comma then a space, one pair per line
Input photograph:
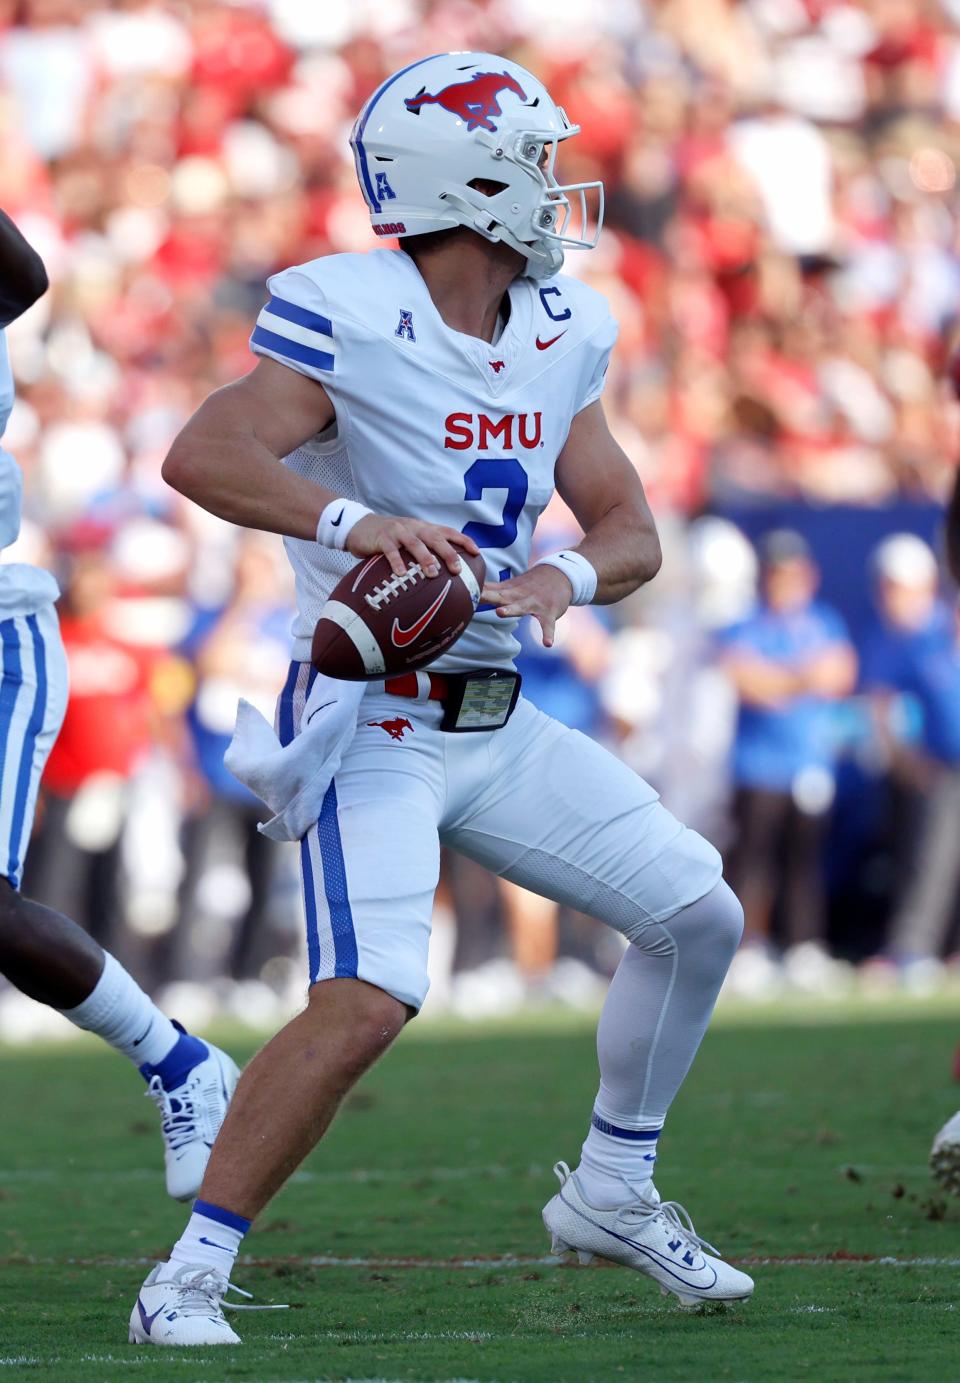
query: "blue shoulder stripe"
292, 312
294, 350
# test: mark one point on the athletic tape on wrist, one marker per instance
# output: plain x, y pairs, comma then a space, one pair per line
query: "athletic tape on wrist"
338, 520
578, 571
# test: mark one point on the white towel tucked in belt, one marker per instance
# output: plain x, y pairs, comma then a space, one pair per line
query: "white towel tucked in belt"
293, 780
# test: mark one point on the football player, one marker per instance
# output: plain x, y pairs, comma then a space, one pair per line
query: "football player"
44, 954
431, 398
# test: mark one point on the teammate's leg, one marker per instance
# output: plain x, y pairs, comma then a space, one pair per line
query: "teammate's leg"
50, 959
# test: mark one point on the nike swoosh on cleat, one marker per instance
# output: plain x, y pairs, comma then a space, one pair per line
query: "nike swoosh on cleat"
652, 1254
145, 1320
335, 523
545, 345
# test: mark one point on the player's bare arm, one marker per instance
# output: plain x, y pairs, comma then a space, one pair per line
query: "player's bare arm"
227, 459
597, 480
23, 278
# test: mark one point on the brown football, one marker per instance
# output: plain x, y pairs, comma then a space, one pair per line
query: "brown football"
377, 624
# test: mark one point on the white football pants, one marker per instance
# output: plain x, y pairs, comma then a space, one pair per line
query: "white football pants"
536, 802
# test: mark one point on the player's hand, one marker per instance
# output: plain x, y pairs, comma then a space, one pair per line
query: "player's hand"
427, 543
543, 592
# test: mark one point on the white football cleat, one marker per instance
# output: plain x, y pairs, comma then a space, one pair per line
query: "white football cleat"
182, 1306
656, 1239
945, 1156
191, 1115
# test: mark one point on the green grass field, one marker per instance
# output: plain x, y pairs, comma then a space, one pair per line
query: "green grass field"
800, 1138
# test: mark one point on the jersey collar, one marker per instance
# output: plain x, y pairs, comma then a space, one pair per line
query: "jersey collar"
494, 363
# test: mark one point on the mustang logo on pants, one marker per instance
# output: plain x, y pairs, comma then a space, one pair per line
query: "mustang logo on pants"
394, 728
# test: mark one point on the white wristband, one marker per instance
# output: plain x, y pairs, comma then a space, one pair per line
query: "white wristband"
337, 521
578, 571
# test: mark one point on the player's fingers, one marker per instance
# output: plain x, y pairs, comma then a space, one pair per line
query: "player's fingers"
548, 625
453, 535
419, 551
391, 550
513, 609
444, 550
493, 595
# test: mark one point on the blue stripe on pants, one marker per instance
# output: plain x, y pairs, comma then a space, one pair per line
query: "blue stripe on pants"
285, 709
10, 685
310, 907
335, 887
288, 730
34, 726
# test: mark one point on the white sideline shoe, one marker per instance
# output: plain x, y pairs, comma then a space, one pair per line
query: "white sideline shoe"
945, 1156
183, 1308
658, 1240
191, 1115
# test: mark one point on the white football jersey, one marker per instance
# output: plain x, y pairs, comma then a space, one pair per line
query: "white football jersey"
23, 589
432, 423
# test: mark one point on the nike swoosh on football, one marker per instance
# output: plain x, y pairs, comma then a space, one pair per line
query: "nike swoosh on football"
543, 345
402, 637
145, 1320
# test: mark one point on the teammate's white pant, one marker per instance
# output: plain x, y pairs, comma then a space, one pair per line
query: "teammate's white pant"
33, 700
536, 802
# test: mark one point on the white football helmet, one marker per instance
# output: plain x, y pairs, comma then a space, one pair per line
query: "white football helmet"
435, 129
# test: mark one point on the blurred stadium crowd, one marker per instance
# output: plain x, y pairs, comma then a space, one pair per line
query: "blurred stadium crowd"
782, 256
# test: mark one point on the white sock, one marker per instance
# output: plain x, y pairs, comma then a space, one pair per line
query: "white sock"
118, 1011
617, 1164
211, 1239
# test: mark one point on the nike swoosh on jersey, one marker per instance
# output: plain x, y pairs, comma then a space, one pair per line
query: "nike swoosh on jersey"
402, 637
544, 345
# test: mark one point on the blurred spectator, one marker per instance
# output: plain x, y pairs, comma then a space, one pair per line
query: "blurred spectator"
789, 661
226, 925
780, 253
916, 653
111, 725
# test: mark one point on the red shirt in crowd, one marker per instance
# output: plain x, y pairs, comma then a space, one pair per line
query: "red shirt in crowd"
108, 723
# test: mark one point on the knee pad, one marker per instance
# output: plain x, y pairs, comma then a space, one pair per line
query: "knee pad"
715, 920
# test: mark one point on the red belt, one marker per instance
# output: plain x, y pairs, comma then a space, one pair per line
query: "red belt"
408, 685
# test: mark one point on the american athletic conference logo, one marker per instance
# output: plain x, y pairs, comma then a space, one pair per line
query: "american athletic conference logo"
475, 102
